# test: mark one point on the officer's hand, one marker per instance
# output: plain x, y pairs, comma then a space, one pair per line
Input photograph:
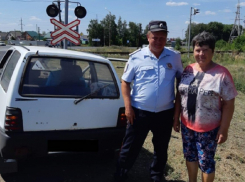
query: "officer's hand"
130, 115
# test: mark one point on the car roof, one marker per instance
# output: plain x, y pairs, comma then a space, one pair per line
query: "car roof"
47, 51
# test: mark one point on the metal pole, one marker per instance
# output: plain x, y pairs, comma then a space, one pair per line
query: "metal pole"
109, 26
104, 36
189, 35
66, 21
110, 31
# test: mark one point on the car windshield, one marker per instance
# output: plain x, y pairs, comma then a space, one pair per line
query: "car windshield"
61, 77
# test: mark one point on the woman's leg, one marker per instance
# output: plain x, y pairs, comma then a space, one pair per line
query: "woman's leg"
190, 152
208, 177
192, 168
207, 145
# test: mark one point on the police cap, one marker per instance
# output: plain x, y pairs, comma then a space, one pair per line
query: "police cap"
155, 26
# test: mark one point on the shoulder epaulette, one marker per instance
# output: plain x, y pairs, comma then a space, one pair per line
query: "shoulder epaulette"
173, 50
135, 52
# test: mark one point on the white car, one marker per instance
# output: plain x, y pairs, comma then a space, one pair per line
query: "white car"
58, 100
2, 43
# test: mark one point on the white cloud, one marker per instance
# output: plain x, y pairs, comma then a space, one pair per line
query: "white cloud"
242, 4
188, 22
226, 10
196, 4
176, 3
34, 18
69, 9
29, 25
9, 24
210, 13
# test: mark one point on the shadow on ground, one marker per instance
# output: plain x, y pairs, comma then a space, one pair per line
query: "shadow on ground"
85, 167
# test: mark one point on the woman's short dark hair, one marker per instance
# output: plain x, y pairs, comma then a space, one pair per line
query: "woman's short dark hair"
204, 38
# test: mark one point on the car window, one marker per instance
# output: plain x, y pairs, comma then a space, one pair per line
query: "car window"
8, 71
61, 77
4, 59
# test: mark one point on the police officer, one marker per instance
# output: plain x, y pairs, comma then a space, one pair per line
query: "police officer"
149, 104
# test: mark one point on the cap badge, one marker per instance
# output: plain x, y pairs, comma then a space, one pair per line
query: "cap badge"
161, 25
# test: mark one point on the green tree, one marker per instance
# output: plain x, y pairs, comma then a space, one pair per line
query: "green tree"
144, 39
134, 32
216, 29
222, 45
110, 29
239, 43
122, 31
226, 32
95, 31
178, 44
219, 30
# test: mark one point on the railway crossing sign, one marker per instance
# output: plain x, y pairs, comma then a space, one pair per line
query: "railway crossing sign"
65, 32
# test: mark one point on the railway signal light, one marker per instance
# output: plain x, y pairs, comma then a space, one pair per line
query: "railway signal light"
80, 12
52, 10
196, 11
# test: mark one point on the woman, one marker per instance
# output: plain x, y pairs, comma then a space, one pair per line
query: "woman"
207, 95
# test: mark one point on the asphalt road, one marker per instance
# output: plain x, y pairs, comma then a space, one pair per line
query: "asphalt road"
64, 167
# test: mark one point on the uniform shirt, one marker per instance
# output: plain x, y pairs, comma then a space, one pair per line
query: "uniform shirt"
153, 78
209, 88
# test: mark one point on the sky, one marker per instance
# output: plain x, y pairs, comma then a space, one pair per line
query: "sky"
29, 15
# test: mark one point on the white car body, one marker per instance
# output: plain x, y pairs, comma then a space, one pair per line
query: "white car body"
47, 118
2, 43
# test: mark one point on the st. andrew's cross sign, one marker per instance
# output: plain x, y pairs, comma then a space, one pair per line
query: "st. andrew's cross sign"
65, 32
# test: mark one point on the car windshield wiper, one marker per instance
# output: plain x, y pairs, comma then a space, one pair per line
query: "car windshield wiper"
86, 96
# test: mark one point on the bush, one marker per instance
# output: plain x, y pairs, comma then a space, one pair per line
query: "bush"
222, 45
178, 44
239, 43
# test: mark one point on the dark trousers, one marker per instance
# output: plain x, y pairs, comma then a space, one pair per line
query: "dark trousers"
160, 124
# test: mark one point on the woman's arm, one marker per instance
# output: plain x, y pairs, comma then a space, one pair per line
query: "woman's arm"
227, 113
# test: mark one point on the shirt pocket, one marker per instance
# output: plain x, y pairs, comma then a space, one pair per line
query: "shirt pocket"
169, 74
146, 72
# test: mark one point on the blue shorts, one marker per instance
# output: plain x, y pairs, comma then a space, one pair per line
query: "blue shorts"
201, 147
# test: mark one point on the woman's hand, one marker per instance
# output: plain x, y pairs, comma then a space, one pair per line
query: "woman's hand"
176, 125
221, 136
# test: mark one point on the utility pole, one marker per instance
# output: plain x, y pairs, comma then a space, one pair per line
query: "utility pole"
195, 12
110, 30
189, 34
39, 33
66, 21
243, 25
21, 27
62, 42
109, 27
236, 25
104, 36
